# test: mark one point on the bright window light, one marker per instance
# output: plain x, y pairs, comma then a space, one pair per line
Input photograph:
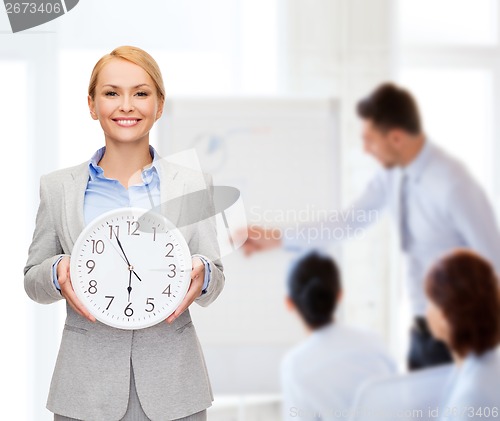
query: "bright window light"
456, 106
15, 308
448, 22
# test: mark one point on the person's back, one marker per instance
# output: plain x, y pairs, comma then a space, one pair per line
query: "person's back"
475, 387
321, 376
464, 313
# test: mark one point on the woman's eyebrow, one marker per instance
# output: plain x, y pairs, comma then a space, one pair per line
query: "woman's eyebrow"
134, 87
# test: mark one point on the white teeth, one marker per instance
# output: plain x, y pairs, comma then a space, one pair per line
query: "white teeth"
126, 122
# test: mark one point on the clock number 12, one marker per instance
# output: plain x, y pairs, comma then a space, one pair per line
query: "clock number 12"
131, 230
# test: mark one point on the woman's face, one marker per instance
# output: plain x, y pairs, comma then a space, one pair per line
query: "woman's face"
438, 324
125, 102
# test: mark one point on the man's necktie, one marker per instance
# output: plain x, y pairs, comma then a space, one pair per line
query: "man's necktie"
403, 213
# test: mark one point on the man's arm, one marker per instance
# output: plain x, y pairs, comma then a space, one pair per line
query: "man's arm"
336, 226
475, 221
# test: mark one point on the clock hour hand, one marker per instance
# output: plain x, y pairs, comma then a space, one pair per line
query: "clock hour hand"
129, 288
137, 275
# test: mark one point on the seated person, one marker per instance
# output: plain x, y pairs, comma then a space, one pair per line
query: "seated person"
464, 312
320, 377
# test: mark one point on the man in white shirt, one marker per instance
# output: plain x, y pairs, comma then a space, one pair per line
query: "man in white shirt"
434, 201
321, 376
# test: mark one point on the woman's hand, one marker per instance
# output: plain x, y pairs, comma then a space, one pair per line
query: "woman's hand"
194, 291
67, 291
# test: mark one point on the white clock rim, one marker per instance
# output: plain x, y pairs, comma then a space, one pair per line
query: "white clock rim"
96, 221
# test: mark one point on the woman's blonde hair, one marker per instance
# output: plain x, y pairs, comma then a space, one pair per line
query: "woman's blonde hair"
136, 56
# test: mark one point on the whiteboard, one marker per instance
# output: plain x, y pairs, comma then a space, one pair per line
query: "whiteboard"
283, 155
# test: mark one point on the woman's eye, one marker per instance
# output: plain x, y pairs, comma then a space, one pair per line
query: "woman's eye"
142, 93
111, 93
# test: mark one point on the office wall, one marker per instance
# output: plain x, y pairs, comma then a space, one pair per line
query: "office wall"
283, 156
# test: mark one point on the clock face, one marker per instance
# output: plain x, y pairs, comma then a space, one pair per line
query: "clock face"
131, 268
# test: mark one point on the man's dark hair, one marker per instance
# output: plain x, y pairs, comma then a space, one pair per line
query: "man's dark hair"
313, 286
391, 107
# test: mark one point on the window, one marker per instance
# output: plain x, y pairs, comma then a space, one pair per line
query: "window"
15, 310
456, 107
447, 58
448, 22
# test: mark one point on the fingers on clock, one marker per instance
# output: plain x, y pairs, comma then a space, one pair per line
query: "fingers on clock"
75, 303
197, 274
188, 299
193, 292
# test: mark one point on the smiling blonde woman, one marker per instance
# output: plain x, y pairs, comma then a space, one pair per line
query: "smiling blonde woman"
103, 373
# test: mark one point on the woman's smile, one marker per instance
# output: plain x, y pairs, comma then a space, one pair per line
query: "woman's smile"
126, 122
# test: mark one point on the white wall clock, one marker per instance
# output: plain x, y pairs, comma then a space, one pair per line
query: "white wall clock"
131, 268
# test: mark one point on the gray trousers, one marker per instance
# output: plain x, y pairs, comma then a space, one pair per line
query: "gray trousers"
135, 411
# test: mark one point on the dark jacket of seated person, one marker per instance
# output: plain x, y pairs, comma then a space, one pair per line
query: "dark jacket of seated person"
464, 312
321, 376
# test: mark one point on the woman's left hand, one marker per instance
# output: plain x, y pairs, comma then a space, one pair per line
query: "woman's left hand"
194, 291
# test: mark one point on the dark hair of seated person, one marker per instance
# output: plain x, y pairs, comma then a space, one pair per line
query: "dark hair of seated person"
464, 286
313, 286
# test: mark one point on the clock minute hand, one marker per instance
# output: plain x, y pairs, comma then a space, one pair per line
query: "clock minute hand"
121, 248
130, 267
126, 259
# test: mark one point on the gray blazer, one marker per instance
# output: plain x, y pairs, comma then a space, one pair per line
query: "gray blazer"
91, 376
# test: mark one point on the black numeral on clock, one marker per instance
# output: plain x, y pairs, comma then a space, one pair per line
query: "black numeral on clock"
172, 268
114, 231
92, 286
171, 247
129, 311
112, 298
90, 265
167, 291
97, 246
131, 230
149, 303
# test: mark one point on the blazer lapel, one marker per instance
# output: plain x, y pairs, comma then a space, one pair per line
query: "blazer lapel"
184, 194
74, 194
172, 190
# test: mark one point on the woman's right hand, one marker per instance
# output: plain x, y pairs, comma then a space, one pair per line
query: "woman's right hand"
67, 290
